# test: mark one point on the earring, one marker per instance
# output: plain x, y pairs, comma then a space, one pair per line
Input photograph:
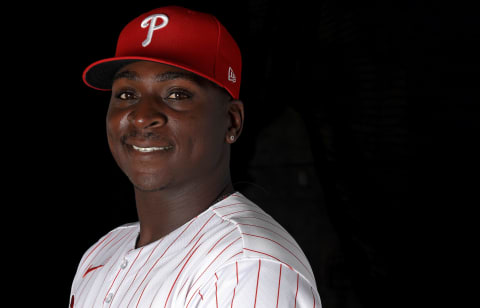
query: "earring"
232, 138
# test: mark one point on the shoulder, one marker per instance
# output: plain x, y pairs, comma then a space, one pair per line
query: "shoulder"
118, 234
262, 237
258, 282
107, 244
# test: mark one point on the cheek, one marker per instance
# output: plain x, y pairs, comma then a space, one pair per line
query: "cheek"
217, 128
115, 123
111, 128
209, 136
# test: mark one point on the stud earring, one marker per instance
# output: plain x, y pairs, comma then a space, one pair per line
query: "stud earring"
232, 138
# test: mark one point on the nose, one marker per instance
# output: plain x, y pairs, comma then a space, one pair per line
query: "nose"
147, 114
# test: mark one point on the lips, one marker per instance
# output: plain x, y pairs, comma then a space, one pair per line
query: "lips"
147, 146
146, 143
151, 149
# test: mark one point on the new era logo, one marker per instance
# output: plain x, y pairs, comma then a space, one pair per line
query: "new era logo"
231, 75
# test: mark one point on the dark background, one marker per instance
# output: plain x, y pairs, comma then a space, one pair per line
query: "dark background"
360, 139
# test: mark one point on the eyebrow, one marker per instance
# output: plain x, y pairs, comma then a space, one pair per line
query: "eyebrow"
170, 75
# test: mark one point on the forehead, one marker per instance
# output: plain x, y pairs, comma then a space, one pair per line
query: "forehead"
141, 70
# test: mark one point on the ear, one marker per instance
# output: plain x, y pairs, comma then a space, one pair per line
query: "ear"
236, 114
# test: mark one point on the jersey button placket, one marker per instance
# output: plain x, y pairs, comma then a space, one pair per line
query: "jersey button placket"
124, 263
109, 298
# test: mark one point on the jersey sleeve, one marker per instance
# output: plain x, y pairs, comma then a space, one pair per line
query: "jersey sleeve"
257, 283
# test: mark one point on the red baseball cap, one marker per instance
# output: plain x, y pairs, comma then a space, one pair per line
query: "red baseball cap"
173, 35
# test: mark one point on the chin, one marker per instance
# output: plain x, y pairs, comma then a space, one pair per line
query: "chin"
148, 189
148, 184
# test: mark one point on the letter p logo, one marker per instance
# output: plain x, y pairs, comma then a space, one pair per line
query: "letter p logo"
151, 22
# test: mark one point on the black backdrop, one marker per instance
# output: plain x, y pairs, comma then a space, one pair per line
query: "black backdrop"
360, 138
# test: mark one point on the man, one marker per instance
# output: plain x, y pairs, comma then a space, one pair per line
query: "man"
173, 114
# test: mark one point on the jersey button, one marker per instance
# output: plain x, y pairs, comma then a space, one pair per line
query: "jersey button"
124, 264
109, 298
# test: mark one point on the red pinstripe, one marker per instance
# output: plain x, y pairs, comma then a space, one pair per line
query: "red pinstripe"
266, 238
127, 234
111, 285
233, 297
231, 306
190, 250
279, 279
191, 297
84, 285
258, 279
131, 265
269, 256
233, 195
270, 230
185, 264
236, 265
200, 229
220, 240
170, 292
213, 261
242, 212
98, 252
201, 296
110, 247
313, 297
145, 263
216, 295
103, 282
264, 220
216, 290
296, 293
206, 270
104, 246
235, 255
154, 264
220, 207
184, 259
184, 283
95, 248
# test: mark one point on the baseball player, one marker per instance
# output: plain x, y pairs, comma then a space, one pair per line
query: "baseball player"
173, 115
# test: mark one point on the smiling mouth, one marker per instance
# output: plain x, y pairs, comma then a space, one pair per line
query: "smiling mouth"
151, 149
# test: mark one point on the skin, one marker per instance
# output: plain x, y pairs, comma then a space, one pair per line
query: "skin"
194, 120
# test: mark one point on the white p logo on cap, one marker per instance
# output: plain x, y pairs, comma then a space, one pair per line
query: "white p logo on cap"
151, 22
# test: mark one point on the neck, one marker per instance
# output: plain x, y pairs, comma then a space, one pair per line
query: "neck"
160, 212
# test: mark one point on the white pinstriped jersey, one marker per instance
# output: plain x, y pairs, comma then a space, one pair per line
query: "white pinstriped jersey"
231, 255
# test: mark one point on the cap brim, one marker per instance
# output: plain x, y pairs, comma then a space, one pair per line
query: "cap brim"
99, 75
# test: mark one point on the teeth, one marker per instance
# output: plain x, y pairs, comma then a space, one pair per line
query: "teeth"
151, 149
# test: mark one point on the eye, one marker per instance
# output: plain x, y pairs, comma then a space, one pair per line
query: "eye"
178, 95
126, 95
